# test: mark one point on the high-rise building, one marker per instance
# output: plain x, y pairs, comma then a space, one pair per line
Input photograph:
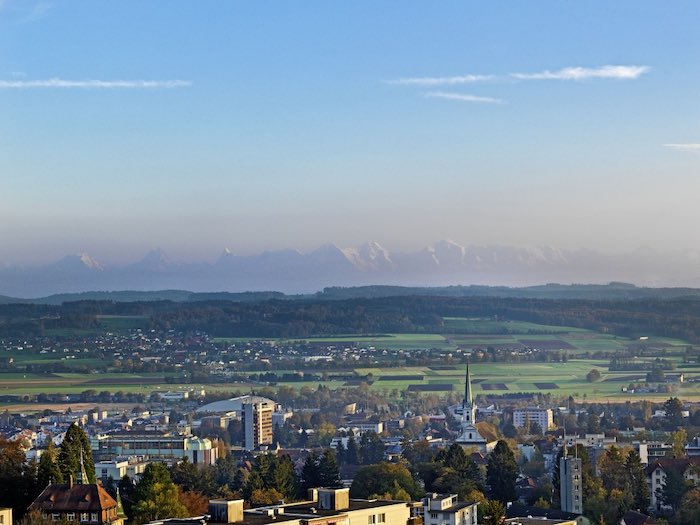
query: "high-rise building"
257, 424
570, 483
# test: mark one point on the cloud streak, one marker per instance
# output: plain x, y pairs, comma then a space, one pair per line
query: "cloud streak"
587, 73
690, 148
59, 83
462, 97
440, 81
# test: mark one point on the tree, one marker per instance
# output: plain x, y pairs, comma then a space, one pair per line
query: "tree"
675, 487
353, 452
612, 469
156, 496
48, 470
593, 375
637, 481
383, 478
689, 508
371, 448
197, 503
329, 473
678, 441
673, 408
74, 449
501, 473
310, 474
18, 486
493, 512
267, 496
281, 477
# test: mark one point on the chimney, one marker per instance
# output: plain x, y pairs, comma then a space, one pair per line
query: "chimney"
70, 481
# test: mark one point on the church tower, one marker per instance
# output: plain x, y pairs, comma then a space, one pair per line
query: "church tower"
469, 435
468, 406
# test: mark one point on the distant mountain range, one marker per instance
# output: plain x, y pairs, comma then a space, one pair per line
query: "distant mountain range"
444, 263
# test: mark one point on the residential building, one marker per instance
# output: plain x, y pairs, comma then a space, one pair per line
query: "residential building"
257, 424
571, 484
86, 504
5, 516
656, 473
632, 517
522, 417
446, 509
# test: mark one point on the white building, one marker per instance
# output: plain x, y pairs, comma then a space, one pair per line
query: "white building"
118, 468
445, 509
541, 416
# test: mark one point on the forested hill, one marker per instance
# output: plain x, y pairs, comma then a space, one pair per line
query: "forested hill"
407, 314
610, 291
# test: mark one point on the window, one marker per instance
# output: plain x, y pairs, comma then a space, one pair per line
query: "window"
382, 518
55, 516
93, 516
434, 515
70, 516
83, 516
371, 520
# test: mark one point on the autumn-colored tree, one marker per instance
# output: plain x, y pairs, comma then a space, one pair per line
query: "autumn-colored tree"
197, 503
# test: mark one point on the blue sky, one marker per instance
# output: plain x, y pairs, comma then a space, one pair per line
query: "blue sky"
195, 126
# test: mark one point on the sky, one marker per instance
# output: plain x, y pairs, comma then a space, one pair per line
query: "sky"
255, 125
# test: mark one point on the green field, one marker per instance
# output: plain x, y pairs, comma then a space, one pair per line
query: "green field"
560, 379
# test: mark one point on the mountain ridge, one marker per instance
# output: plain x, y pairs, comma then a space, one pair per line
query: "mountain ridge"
291, 271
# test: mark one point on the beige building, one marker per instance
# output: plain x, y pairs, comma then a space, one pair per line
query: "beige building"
324, 507
257, 424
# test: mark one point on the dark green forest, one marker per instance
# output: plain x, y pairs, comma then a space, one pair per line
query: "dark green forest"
297, 318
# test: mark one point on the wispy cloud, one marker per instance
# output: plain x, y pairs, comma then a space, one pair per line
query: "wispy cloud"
60, 83
440, 81
586, 73
461, 97
691, 148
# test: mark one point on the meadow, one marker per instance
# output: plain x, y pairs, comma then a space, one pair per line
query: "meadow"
460, 336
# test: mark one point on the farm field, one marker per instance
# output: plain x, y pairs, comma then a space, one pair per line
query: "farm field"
461, 336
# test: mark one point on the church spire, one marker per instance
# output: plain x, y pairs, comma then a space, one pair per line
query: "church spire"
467, 388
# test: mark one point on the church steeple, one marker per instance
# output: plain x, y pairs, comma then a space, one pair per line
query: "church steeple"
469, 435
467, 388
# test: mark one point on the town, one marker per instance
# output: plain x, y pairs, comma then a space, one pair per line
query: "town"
193, 455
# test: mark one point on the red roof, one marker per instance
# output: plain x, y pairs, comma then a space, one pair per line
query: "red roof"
76, 498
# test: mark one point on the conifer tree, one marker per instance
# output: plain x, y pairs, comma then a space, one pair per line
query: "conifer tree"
329, 473
74, 443
48, 470
501, 473
637, 481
